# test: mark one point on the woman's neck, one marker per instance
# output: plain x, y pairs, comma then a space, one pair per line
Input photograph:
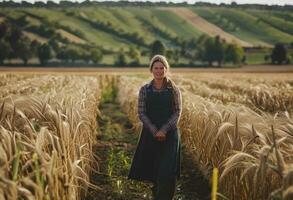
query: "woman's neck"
158, 83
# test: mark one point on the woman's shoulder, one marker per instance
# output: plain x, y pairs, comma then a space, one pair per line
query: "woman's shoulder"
146, 86
171, 84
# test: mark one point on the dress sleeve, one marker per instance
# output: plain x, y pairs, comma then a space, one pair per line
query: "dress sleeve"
142, 111
173, 120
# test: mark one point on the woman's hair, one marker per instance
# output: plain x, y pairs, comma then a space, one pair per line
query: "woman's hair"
170, 83
159, 58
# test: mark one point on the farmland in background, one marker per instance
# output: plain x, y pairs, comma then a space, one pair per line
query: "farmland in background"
114, 30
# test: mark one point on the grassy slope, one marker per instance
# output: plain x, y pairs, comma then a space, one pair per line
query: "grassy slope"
166, 21
247, 26
16, 14
255, 26
121, 19
177, 25
273, 20
284, 15
92, 35
13, 14
152, 21
210, 15
129, 23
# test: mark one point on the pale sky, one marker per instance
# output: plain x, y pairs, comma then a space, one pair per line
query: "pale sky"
268, 2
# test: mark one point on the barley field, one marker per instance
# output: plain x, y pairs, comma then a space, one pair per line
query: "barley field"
240, 123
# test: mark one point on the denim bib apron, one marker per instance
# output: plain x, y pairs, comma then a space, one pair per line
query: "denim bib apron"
157, 160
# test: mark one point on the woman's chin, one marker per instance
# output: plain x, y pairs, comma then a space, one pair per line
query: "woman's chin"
159, 77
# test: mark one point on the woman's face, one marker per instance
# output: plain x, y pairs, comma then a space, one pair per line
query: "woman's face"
159, 70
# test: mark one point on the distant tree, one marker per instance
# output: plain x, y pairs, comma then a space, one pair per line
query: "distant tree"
44, 53
289, 59
169, 54
176, 55
22, 21
279, 54
233, 4
157, 48
244, 59
73, 54
4, 26
85, 56
23, 50
15, 35
5, 50
219, 50
66, 4
51, 4
192, 44
202, 39
46, 29
134, 55
234, 53
34, 47
96, 55
26, 4
39, 4
213, 50
201, 46
267, 58
62, 55
208, 51
183, 48
121, 59
53, 42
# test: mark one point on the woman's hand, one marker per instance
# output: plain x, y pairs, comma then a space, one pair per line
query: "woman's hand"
160, 136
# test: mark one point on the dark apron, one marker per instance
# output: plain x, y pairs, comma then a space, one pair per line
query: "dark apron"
153, 160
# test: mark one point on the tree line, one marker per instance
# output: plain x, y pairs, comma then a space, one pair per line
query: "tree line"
214, 50
66, 4
14, 44
206, 49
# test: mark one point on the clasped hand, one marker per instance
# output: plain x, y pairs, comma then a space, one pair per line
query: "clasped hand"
160, 136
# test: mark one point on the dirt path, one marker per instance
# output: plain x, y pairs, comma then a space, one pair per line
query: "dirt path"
115, 148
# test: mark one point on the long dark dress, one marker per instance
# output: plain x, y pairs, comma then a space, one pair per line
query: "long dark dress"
157, 160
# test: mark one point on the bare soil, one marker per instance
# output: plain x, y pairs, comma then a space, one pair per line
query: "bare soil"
115, 147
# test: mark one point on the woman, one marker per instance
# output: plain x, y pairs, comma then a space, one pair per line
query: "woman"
157, 157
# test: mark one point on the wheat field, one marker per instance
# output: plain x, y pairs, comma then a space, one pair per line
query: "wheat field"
236, 122
242, 126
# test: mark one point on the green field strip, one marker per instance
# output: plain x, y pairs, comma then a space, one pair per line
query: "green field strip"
262, 30
154, 27
12, 14
131, 23
285, 15
246, 26
98, 37
210, 15
112, 28
276, 22
177, 25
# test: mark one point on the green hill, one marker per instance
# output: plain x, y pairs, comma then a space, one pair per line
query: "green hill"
112, 29
247, 25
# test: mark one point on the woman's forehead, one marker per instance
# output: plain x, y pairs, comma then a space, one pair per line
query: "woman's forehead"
158, 64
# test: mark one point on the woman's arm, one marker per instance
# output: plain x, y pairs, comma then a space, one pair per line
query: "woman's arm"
172, 122
142, 112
